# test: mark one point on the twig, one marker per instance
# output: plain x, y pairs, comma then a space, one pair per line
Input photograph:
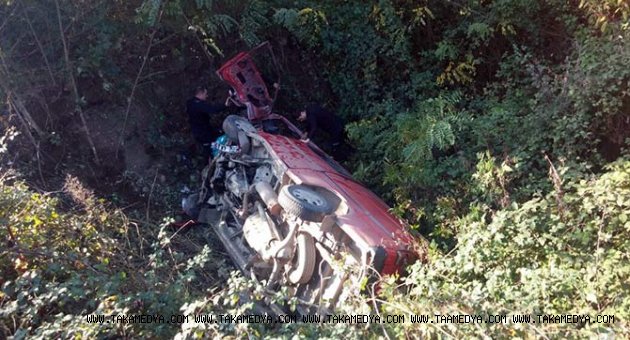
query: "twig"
18, 41
12, 236
23, 113
41, 48
167, 38
177, 232
51, 256
153, 74
167, 243
16, 101
557, 184
203, 47
126, 224
129, 206
599, 238
140, 239
121, 140
6, 20
39, 164
44, 105
380, 316
81, 18
35, 143
151, 194
75, 89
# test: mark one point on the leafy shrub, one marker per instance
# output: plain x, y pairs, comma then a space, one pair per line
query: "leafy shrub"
561, 253
60, 265
458, 110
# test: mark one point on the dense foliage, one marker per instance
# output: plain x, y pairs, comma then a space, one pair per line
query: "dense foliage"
498, 128
562, 253
60, 266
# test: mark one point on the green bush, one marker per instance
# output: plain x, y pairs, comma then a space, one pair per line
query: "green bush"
562, 253
489, 125
60, 265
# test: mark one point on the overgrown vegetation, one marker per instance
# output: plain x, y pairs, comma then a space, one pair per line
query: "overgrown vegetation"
498, 129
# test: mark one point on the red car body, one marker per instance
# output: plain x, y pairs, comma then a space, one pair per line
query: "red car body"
242, 74
367, 219
382, 238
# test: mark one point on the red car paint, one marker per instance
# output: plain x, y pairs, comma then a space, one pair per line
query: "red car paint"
241, 73
367, 220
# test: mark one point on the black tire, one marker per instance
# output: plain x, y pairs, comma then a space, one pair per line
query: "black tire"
304, 202
233, 124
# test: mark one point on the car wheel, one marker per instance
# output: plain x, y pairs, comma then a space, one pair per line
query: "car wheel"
303, 264
304, 202
233, 124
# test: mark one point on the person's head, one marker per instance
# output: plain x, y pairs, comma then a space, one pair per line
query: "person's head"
309, 109
201, 93
301, 116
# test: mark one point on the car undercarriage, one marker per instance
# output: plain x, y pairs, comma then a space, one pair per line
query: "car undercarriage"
287, 213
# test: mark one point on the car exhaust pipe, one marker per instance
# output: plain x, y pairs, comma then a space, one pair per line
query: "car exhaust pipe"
281, 254
244, 213
266, 193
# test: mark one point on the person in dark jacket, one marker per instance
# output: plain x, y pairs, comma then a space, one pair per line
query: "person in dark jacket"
318, 120
200, 112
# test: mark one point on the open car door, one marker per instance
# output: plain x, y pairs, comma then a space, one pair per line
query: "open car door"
250, 89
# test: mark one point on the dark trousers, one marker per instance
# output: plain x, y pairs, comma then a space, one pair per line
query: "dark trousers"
204, 141
335, 145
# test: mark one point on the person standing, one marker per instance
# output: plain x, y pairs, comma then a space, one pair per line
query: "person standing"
319, 119
200, 113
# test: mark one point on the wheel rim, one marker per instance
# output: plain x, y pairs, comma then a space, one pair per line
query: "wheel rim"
308, 196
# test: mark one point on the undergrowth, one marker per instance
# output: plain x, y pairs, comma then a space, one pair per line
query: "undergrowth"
497, 129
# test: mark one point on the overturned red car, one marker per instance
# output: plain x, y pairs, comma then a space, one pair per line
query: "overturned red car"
287, 213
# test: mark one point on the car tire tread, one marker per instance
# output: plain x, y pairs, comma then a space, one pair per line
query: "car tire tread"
293, 206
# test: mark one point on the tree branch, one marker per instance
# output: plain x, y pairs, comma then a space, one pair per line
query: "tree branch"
36, 143
41, 48
73, 82
121, 140
16, 101
6, 20
203, 46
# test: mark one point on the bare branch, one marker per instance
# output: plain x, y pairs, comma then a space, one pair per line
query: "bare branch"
73, 82
6, 20
557, 184
203, 46
18, 41
41, 48
151, 194
23, 113
36, 144
121, 140
16, 101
